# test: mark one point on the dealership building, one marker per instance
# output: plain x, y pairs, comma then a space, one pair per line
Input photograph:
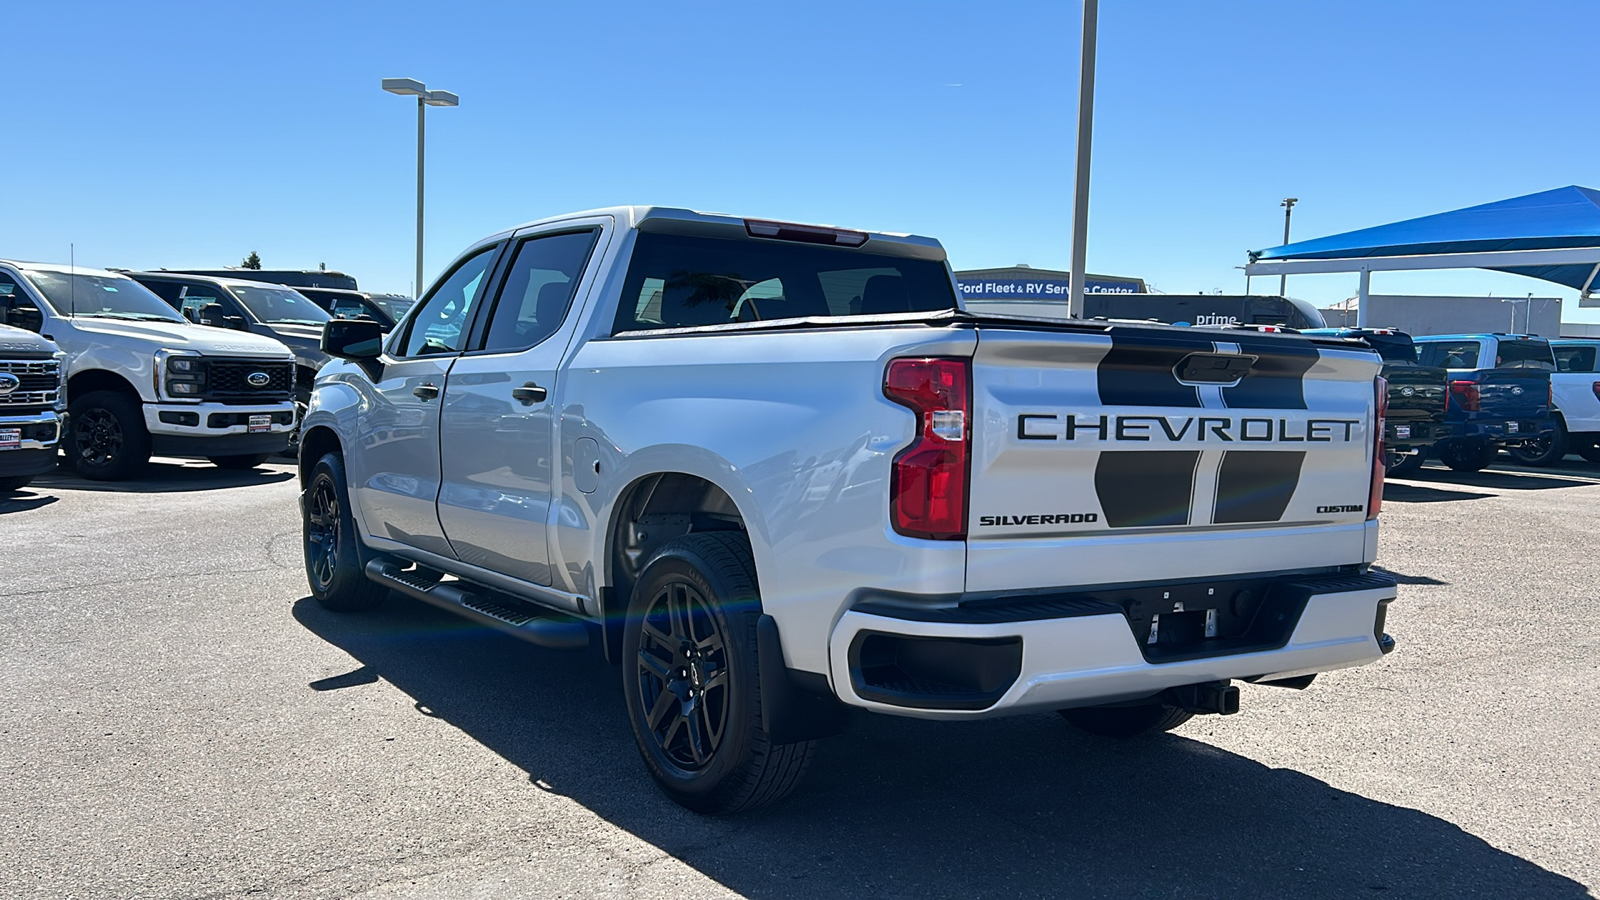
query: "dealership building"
1027, 283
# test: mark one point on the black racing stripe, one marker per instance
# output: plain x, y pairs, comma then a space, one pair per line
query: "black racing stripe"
1141, 488
1277, 380
1255, 485
1138, 370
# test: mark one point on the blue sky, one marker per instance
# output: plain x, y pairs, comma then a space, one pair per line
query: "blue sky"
182, 134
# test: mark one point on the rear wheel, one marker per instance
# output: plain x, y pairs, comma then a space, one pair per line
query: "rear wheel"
1467, 455
691, 682
14, 483
109, 441
246, 461
1589, 449
1127, 721
1408, 465
1545, 451
335, 559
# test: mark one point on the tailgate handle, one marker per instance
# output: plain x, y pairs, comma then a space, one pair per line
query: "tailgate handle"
1213, 368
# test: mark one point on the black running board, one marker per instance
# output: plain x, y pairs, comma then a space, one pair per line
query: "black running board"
547, 628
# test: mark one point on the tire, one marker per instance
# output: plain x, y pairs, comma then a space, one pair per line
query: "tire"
335, 558
1467, 455
108, 441
14, 483
691, 683
1589, 450
1545, 451
1407, 466
1127, 721
246, 461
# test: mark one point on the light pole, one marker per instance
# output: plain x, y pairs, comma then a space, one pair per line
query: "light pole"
1288, 210
1080, 190
408, 87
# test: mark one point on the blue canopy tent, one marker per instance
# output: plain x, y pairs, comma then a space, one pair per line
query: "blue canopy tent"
1552, 235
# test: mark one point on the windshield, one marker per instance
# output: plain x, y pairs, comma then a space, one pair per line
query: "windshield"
393, 304
100, 296
1523, 354
279, 306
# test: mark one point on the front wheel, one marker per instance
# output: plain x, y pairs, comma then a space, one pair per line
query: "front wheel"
691, 682
109, 441
335, 559
1545, 451
1127, 721
1467, 455
245, 461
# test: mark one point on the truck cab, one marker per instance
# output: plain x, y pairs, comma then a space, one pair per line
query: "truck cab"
141, 380
1499, 395
33, 398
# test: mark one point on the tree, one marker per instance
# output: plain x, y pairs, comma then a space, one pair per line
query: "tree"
252, 261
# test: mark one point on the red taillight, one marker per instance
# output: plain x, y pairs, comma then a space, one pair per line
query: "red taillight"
928, 487
1380, 387
1465, 395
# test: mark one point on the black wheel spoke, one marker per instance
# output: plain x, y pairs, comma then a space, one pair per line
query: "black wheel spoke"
658, 712
656, 666
700, 745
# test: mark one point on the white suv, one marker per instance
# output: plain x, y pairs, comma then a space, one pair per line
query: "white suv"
143, 381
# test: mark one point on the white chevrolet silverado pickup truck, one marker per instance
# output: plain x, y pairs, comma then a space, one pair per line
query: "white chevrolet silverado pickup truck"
777, 472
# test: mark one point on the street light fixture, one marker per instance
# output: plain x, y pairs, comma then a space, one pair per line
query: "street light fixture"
410, 87
1288, 208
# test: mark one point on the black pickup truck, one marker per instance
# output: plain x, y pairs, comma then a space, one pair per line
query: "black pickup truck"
1417, 395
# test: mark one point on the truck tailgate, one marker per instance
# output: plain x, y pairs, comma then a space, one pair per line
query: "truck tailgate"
1512, 393
1142, 454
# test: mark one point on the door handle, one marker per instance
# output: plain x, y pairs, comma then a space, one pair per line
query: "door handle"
426, 391
530, 394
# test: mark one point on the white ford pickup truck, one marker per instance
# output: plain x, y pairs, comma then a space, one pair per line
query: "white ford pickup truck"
777, 472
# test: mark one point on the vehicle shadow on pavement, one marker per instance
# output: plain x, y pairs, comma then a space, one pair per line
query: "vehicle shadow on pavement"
1490, 478
1394, 492
1024, 806
167, 477
25, 499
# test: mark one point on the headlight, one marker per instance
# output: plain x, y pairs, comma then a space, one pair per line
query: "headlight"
180, 374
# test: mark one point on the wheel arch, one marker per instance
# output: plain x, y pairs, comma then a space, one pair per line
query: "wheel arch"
315, 443
90, 380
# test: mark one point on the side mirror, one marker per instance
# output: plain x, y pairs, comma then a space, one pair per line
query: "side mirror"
352, 338
24, 315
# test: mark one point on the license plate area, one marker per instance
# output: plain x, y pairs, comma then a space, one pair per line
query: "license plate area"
1402, 431
1513, 427
259, 423
10, 438
1201, 619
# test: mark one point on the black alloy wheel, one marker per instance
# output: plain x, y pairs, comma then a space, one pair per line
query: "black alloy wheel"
1408, 466
682, 667
322, 534
108, 441
335, 557
1544, 451
1467, 454
1589, 449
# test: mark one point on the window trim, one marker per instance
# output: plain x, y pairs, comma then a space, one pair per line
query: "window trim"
401, 334
482, 324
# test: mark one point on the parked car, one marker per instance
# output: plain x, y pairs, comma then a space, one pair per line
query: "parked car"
1575, 387
778, 472
1417, 395
1499, 394
141, 380
33, 398
385, 309
295, 278
270, 310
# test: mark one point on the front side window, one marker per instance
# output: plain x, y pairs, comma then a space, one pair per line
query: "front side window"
538, 289
677, 281
100, 296
440, 325
1449, 354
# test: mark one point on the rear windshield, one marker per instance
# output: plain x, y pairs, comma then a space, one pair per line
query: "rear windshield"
1394, 348
1575, 358
678, 281
1449, 354
1518, 354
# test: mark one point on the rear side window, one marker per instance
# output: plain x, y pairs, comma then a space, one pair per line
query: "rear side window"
1574, 359
1449, 354
1525, 355
678, 281
538, 289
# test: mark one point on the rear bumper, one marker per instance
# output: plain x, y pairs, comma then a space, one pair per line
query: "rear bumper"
1502, 431
1078, 651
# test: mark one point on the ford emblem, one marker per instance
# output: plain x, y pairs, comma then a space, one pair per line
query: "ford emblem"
258, 379
1516, 392
1407, 391
9, 382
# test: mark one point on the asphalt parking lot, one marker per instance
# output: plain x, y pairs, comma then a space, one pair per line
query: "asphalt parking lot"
182, 721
